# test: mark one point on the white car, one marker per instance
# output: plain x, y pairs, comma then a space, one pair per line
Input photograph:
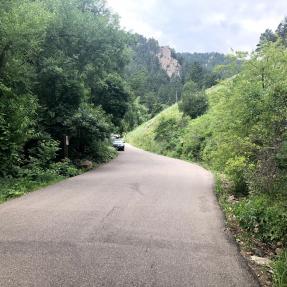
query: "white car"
119, 144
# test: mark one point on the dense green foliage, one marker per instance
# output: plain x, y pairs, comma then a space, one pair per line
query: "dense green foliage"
194, 101
199, 67
35, 177
58, 59
61, 73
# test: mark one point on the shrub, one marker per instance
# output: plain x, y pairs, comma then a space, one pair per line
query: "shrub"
89, 128
64, 168
167, 134
236, 168
17, 121
14, 187
35, 177
264, 217
195, 139
194, 102
102, 152
41, 150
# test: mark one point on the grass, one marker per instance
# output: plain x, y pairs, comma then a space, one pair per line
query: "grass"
144, 135
280, 271
12, 188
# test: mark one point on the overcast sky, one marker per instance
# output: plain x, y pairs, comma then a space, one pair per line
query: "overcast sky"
201, 25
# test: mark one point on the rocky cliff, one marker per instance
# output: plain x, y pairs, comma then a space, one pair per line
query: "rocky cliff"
168, 63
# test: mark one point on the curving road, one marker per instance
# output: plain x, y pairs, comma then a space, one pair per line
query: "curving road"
141, 220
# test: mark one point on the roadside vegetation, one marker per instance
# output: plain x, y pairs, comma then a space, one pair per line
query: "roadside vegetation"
35, 178
238, 129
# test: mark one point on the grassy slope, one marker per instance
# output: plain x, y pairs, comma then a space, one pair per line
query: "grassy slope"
144, 135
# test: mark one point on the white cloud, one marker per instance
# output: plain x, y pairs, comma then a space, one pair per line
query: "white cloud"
260, 25
206, 25
132, 16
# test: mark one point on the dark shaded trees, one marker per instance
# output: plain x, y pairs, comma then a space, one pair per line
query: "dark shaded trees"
194, 101
113, 95
54, 55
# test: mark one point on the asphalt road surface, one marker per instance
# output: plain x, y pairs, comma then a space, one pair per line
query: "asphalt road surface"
140, 220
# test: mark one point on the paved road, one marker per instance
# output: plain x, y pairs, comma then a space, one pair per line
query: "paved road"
141, 220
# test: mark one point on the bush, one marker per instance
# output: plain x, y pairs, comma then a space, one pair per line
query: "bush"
17, 121
194, 102
102, 152
236, 168
195, 139
264, 217
167, 134
64, 168
35, 177
41, 150
89, 128
15, 187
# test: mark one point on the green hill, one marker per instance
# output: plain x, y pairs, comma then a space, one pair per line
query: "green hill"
146, 136
168, 132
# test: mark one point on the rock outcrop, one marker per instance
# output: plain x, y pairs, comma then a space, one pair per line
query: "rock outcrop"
168, 63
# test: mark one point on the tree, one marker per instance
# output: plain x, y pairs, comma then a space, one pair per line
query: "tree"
113, 95
196, 74
88, 127
83, 48
136, 115
17, 126
61, 92
22, 32
282, 30
267, 36
194, 102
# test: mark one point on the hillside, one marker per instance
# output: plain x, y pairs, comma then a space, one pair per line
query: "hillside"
164, 134
145, 136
